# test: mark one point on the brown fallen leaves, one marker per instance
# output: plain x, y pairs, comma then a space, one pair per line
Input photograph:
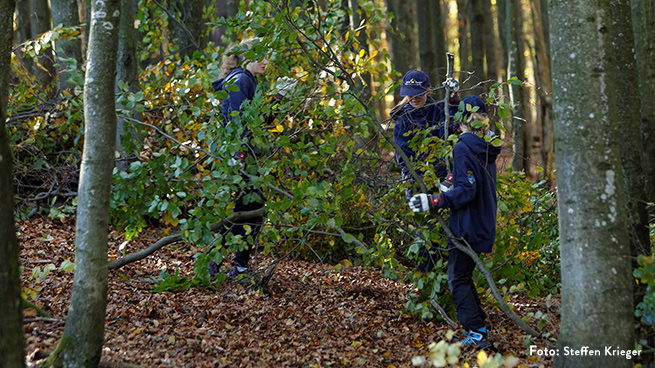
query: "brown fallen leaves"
316, 316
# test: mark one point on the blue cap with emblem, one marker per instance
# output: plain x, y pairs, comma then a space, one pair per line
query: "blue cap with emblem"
415, 83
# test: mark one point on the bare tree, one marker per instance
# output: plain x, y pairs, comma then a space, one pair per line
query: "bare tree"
12, 343
81, 343
592, 217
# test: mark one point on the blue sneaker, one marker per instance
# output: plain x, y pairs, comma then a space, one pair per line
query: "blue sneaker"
213, 269
236, 271
476, 338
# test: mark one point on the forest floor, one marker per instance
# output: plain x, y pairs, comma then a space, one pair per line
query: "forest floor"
316, 315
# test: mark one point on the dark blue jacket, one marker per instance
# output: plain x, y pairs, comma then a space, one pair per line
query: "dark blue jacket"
247, 84
410, 120
473, 200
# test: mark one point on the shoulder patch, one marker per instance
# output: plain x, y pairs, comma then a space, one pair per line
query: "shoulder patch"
471, 178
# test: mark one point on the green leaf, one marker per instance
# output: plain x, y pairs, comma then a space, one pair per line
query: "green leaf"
67, 266
348, 238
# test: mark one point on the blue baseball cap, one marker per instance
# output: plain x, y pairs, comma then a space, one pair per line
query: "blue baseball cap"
474, 101
415, 83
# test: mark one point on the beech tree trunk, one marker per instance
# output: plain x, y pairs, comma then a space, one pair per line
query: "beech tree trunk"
188, 26
427, 44
404, 40
632, 149
464, 49
440, 40
40, 23
597, 305
643, 15
127, 72
477, 45
12, 343
65, 13
490, 51
81, 343
520, 100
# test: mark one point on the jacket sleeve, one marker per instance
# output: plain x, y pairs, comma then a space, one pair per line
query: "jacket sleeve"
245, 92
465, 182
402, 139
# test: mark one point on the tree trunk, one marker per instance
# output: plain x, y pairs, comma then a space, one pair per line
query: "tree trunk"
632, 149
23, 27
464, 50
440, 41
40, 23
12, 343
490, 51
477, 45
597, 305
643, 15
188, 26
544, 89
503, 28
81, 343
426, 39
127, 72
520, 100
404, 38
65, 13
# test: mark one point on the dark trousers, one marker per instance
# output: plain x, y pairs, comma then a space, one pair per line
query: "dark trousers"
460, 280
256, 201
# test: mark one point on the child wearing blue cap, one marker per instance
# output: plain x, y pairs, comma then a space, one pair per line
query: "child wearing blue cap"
473, 203
416, 114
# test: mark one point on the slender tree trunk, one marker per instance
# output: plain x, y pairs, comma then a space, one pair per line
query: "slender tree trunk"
40, 23
440, 41
490, 52
521, 113
503, 28
65, 13
127, 72
188, 26
464, 49
477, 44
597, 305
81, 343
632, 150
12, 343
544, 89
643, 14
404, 40
24, 29
426, 39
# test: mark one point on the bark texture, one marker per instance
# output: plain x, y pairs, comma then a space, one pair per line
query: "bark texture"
404, 40
520, 99
597, 305
12, 345
65, 13
632, 149
643, 15
81, 344
128, 72
427, 44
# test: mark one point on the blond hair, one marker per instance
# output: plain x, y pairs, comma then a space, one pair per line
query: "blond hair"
476, 116
231, 60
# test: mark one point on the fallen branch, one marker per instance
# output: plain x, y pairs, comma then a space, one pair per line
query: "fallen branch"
237, 217
443, 314
40, 312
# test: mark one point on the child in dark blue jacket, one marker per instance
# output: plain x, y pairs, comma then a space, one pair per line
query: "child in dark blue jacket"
249, 197
473, 203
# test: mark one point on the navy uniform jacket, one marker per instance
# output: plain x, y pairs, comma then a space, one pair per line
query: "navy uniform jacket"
473, 200
410, 120
247, 84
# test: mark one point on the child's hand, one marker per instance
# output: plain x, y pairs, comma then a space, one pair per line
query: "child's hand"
285, 84
423, 202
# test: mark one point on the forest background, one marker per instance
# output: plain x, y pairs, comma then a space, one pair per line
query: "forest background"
567, 79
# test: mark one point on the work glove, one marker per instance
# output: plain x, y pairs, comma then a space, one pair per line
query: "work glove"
423, 202
238, 160
452, 83
447, 184
284, 85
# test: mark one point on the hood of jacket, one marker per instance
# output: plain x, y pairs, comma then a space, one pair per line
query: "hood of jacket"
481, 148
221, 83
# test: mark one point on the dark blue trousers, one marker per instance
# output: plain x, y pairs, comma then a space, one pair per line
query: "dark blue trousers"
460, 280
256, 201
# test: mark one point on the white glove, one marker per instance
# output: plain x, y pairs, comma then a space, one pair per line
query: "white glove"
425, 202
285, 84
447, 184
452, 83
